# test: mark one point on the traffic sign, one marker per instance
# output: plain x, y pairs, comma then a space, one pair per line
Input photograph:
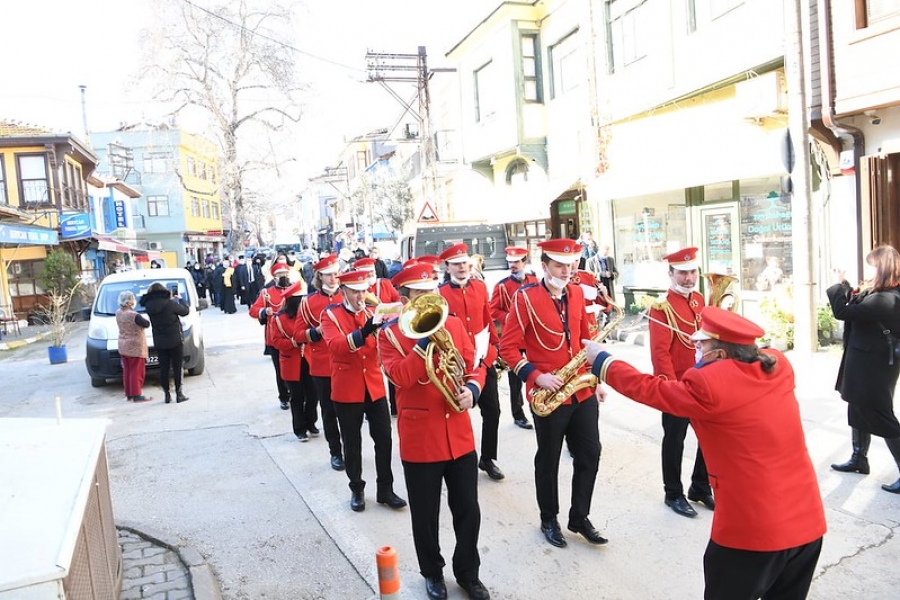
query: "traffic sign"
427, 215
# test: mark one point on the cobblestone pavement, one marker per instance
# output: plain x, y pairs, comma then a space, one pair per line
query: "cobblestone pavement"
152, 571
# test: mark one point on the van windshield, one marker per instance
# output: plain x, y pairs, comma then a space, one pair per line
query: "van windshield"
107, 302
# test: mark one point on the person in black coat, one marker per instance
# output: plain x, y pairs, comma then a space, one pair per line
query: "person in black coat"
216, 283
869, 368
198, 274
168, 337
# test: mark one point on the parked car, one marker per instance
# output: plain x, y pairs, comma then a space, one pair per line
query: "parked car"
102, 357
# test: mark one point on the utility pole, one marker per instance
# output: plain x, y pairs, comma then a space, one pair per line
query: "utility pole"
412, 68
805, 331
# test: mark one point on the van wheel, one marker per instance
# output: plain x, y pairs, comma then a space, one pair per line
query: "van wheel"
201, 363
98, 382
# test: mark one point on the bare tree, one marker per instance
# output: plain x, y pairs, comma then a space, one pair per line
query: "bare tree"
226, 65
384, 197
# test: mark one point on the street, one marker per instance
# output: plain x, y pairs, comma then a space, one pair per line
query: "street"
225, 474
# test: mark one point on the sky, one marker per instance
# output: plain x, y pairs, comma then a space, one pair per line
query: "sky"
56, 46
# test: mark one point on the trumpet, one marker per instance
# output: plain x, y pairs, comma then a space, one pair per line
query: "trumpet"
424, 317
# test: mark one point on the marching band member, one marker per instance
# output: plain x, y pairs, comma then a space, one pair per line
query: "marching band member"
379, 287
468, 300
548, 321
269, 302
594, 298
316, 352
436, 443
501, 299
357, 389
672, 353
286, 322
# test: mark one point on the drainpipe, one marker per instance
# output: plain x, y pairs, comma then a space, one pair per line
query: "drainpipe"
843, 131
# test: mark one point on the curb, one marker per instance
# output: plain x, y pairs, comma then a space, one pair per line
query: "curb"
203, 580
12, 345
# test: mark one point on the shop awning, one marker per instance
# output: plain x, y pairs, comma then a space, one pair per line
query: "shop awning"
111, 244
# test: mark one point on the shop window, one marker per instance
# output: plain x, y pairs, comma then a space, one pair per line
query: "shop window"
720, 192
646, 228
766, 227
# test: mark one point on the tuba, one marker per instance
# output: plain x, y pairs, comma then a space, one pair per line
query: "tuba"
718, 296
424, 317
544, 401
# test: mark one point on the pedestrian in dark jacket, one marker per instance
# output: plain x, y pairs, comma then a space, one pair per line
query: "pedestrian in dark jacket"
217, 282
168, 337
870, 368
198, 273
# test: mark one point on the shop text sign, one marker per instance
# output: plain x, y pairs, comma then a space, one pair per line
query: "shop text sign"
20, 234
120, 214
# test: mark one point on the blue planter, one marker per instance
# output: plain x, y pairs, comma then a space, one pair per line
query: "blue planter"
57, 354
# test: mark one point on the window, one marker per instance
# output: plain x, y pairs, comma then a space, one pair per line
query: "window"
362, 161
157, 162
691, 10
204, 206
215, 210
158, 206
33, 179
531, 67
629, 29
517, 172
195, 206
873, 11
191, 166
485, 95
4, 199
566, 65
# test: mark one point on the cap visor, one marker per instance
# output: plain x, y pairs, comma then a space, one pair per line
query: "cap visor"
700, 335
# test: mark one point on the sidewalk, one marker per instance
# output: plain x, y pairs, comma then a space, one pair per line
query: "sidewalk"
26, 335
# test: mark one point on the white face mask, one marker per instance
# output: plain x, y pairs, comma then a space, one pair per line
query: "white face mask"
459, 282
519, 276
556, 283
698, 356
681, 289
329, 289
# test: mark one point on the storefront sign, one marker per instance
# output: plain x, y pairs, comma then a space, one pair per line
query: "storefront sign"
75, 226
22, 234
121, 219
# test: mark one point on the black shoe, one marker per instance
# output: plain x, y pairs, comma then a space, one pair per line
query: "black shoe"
475, 589
856, 464
357, 501
492, 470
285, 405
391, 500
436, 588
302, 437
523, 423
553, 533
680, 505
893, 488
337, 463
586, 529
180, 397
703, 498
168, 397
313, 432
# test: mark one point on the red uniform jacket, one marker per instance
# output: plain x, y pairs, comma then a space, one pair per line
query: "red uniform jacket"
289, 349
430, 431
354, 360
535, 324
748, 424
470, 305
673, 354
501, 298
270, 297
385, 291
311, 308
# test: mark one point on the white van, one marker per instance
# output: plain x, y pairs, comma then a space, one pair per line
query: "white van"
102, 357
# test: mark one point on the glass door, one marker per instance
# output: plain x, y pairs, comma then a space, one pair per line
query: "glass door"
719, 243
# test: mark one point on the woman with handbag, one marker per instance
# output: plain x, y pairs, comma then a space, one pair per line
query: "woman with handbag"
869, 368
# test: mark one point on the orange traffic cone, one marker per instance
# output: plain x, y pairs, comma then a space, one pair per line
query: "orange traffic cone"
388, 573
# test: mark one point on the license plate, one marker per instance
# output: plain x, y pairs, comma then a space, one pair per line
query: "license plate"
152, 360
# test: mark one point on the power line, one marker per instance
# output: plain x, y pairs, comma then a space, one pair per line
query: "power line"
274, 41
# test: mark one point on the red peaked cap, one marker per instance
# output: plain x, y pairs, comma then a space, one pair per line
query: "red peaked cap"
562, 250
683, 260
416, 275
726, 326
279, 267
455, 253
514, 253
582, 277
329, 264
367, 264
355, 280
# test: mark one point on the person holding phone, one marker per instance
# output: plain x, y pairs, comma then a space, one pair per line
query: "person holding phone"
164, 310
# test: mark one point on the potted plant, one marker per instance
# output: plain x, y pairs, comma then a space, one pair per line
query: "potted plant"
826, 324
60, 280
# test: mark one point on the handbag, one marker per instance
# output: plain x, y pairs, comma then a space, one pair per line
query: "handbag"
892, 342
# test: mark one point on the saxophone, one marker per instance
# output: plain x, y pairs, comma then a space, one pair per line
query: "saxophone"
544, 401
424, 317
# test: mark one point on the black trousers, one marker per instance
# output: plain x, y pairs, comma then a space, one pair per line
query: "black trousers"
515, 395
577, 423
489, 404
284, 393
674, 432
329, 418
303, 401
171, 359
350, 416
732, 574
423, 484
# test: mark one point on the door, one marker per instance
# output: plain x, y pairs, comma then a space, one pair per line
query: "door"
719, 239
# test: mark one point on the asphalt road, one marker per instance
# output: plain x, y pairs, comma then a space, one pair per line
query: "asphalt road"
224, 473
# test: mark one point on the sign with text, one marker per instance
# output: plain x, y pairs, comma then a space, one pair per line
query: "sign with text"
21, 234
121, 218
75, 226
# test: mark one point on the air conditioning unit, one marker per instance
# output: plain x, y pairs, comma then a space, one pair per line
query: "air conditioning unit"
763, 96
155, 245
